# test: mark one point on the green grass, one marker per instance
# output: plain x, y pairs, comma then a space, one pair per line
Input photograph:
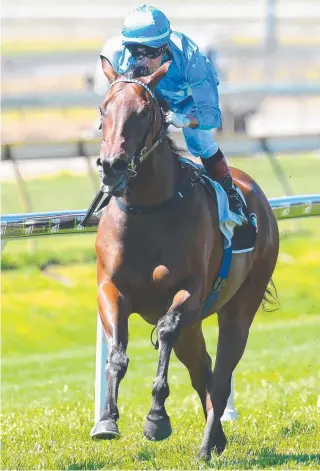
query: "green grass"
48, 333
48, 356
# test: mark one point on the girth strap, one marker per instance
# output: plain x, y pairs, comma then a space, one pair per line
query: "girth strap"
219, 282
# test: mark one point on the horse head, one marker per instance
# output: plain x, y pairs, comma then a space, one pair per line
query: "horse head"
132, 125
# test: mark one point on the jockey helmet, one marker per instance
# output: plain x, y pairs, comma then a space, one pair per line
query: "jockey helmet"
147, 27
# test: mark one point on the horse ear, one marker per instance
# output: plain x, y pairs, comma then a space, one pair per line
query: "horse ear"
153, 79
108, 70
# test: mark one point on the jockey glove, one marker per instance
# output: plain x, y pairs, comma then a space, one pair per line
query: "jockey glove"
177, 120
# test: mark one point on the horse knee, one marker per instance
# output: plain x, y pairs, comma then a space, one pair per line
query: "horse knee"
117, 363
169, 327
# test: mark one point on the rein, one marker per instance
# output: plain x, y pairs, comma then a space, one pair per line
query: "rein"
102, 198
141, 157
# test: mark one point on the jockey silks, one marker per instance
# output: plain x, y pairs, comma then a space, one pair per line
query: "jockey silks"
191, 74
190, 85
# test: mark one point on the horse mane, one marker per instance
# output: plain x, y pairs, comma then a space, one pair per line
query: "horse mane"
139, 70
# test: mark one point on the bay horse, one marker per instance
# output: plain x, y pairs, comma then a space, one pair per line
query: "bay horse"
157, 255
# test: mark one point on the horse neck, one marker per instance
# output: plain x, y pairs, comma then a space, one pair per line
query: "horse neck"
156, 180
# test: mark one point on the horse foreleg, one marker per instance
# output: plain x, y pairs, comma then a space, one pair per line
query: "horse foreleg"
114, 312
184, 309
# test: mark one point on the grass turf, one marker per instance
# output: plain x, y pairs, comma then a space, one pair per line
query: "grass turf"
48, 337
48, 333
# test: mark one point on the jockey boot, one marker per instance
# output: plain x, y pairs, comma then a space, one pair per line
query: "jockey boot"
218, 169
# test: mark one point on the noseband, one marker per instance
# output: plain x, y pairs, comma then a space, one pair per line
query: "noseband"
144, 153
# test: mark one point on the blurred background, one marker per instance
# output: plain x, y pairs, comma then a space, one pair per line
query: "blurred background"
267, 53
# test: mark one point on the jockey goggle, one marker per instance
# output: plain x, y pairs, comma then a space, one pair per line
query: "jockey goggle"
139, 50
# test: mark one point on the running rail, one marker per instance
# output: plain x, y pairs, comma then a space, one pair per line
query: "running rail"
17, 226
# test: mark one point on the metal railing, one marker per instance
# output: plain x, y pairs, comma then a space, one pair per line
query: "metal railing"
17, 226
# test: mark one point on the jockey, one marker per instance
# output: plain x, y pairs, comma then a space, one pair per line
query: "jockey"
189, 87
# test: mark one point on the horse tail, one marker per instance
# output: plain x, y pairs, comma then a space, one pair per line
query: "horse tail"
270, 301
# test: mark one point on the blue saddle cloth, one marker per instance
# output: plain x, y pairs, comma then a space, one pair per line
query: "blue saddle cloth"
244, 236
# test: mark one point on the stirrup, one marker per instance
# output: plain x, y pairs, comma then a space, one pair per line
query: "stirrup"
240, 213
236, 205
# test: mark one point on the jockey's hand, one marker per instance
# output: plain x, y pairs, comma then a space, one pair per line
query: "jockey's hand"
177, 120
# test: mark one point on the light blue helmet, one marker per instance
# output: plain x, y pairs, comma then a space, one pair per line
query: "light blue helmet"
146, 25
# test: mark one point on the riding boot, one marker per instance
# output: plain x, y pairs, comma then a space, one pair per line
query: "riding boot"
218, 169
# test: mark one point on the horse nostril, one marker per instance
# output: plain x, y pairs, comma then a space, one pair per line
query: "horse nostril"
106, 166
119, 165
113, 167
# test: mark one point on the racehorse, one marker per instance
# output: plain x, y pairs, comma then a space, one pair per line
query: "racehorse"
158, 255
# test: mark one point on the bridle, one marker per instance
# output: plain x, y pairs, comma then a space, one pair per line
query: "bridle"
139, 158
105, 193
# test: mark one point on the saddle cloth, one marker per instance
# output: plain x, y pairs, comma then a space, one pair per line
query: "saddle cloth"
241, 237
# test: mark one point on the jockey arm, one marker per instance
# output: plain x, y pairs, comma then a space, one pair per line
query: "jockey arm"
203, 83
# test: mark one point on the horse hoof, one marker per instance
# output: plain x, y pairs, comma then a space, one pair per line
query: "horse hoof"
204, 455
217, 448
157, 429
105, 430
220, 445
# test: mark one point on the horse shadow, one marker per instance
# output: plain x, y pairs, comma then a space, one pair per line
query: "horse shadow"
267, 458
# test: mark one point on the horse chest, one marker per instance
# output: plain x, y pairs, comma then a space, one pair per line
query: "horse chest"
150, 258
151, 271
156, 273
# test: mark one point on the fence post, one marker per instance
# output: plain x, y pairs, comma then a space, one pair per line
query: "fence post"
284, 182
230, 412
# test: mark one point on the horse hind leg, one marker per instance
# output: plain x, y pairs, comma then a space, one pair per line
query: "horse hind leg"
235, 319
190, 349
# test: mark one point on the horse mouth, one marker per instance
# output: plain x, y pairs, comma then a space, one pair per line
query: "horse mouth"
117, 188
114, 178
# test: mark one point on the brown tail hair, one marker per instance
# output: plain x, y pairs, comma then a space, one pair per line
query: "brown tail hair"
270, 302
